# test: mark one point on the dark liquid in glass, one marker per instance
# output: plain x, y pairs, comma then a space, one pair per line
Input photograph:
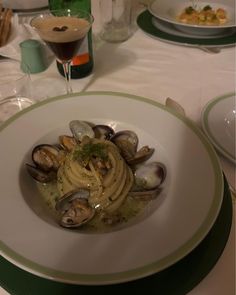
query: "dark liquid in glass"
65, 51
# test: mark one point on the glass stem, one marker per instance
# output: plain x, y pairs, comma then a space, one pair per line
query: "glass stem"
66, 68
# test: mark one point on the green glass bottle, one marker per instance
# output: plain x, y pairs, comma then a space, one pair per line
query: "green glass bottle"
82, 64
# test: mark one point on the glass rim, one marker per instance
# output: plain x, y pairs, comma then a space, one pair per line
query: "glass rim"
12, 98
53, 13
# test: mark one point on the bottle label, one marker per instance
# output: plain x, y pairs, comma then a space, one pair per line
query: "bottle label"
82, 56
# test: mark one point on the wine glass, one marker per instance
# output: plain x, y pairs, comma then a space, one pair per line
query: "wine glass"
63, 31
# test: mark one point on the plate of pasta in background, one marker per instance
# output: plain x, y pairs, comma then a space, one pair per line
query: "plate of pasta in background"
196, 17
95, 196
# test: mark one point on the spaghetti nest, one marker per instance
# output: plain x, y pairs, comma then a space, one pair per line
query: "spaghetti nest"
97, 165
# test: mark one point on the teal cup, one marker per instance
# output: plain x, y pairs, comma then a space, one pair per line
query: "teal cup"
32, 56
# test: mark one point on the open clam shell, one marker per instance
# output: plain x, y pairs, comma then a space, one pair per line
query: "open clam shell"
127, 142
148, 179
40, 175
46, 157
75, 209
141, 155
103, 132
79, 129
67, 142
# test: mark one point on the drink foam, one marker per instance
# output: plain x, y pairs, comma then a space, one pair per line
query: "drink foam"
77, 28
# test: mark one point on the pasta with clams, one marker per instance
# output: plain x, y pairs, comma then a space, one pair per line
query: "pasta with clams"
108, 186
97, 177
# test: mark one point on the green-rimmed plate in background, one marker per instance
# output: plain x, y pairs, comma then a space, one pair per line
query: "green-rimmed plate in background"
219, 123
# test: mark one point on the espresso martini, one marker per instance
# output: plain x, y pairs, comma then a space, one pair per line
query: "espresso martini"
63, 34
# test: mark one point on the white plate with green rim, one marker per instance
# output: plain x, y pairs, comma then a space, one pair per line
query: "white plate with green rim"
172, 226
219, 123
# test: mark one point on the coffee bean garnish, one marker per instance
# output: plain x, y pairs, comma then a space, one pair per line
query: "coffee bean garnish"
60, 29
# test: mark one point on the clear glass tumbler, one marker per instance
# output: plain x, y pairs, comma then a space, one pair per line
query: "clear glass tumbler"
15, 89
116, 20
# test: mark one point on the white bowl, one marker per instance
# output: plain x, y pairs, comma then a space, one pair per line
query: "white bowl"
24, 4
167, 10
172, 226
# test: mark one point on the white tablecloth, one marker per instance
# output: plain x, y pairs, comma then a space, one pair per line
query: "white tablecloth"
148, 67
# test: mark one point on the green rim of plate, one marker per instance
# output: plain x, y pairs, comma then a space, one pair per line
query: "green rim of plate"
206, 127
111, 278
179, 279
144, 21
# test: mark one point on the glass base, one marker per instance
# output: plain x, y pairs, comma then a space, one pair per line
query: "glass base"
115, 35
13, 105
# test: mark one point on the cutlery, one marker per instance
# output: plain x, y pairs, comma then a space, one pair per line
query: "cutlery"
212, 50
171, 103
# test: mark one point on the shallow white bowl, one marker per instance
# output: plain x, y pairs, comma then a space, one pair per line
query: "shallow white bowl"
175, 224
168, 10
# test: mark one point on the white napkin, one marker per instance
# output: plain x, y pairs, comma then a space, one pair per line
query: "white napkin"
19, 33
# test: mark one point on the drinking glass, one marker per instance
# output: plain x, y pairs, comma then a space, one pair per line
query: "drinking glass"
63, 31
116, 20
15, 89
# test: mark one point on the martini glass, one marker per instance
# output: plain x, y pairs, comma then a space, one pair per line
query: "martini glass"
63, 31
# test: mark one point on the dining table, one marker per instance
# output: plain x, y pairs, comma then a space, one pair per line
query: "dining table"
150, 67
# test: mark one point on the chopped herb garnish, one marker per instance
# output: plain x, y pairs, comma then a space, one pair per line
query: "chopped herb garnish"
90, 150
207, 7
189, 10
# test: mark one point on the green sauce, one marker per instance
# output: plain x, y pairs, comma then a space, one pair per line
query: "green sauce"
130, 209
50, 195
